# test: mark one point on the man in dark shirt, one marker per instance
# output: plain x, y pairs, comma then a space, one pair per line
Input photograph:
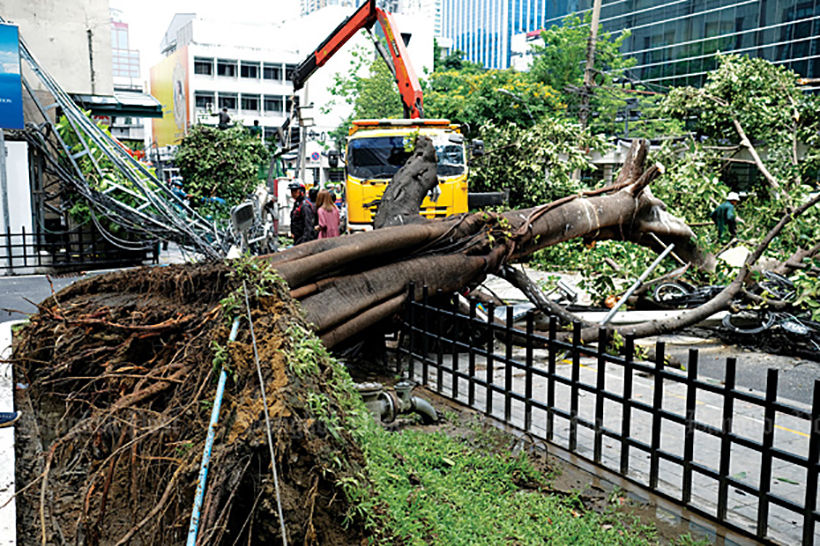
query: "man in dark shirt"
301, 215
224, 119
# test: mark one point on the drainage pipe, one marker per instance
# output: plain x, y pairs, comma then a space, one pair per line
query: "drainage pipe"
193, 529
425, 409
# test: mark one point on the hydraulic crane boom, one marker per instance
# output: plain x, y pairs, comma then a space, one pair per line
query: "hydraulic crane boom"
365, 17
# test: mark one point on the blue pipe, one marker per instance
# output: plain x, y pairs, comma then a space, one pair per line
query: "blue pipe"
193, 529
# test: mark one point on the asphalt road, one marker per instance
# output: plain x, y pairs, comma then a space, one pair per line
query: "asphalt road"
19, 294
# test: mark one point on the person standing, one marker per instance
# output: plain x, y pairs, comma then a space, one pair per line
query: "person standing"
255, 130
301, 215
328, 216
224, 119
725, 216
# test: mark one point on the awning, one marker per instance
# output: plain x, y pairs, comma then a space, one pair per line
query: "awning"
122, 103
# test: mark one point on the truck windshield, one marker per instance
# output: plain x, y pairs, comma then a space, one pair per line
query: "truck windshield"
382, 157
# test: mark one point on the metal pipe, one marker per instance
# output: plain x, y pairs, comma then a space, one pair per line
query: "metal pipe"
637, 283
425, 409
193, 529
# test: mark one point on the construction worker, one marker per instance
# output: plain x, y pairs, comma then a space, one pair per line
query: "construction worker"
301, 215
725, 217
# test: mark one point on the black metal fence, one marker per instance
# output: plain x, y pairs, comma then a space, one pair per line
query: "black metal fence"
745, 460
26, 251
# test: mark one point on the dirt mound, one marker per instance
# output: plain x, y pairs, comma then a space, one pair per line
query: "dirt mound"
122, 372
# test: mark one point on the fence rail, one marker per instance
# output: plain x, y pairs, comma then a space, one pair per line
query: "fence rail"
745, 460
26, 251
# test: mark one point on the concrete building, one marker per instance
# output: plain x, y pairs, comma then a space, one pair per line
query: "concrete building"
72, 40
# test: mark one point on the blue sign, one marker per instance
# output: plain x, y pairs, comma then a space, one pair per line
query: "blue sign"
11, 87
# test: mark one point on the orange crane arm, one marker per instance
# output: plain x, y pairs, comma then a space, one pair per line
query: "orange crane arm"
365, 17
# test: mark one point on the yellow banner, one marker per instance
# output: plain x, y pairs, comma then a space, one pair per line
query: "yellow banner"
169, 85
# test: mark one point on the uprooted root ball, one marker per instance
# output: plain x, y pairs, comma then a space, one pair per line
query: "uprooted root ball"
122, 372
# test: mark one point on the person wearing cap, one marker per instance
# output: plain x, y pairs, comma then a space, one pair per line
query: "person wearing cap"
301, 215
725, 217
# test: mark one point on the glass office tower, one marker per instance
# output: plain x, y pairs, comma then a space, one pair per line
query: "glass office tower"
673, 41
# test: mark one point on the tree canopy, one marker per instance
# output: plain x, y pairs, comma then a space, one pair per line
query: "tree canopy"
219, 163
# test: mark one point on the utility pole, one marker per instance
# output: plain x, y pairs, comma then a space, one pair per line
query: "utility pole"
593, 40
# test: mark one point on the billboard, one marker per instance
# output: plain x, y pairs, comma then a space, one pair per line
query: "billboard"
169, 85
11, 88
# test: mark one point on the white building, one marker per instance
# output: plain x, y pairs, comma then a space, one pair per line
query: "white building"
245, 67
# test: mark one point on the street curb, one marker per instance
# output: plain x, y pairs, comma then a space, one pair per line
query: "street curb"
8, 513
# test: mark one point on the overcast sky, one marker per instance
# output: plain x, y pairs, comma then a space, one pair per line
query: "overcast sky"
148, 19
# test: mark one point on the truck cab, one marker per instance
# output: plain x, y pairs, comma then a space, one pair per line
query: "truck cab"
377, 149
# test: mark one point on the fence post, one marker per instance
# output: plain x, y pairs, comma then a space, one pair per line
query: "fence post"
626, 405
25, 248
411, 298
573, 385
766, 454
8, 250
725, 437
657, 404
528, 372
689, 432
551, 377
440, 343
425, 339
471, 353
454, 375
811, 477
488, 406
599, 395
508, 365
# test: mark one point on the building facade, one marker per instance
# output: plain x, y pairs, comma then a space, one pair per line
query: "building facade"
675, 42
211, 65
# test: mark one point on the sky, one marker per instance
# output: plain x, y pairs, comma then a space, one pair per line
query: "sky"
148, 19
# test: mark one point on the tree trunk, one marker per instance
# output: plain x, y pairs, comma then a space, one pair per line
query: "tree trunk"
352, 282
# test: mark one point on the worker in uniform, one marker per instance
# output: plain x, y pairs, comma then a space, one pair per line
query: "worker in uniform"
301, 215
725, 217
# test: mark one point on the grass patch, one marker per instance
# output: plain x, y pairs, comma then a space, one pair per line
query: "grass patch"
433, 488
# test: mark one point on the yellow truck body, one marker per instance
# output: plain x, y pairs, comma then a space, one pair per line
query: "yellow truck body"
377, 149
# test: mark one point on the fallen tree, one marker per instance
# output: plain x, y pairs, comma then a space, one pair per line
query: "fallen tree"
347, 284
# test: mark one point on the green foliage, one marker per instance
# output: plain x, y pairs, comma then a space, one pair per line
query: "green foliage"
777, 117
560, 63
219, 163
111, 175
475, 97
536, 163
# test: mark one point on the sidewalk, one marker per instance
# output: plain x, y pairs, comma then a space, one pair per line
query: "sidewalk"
8, 513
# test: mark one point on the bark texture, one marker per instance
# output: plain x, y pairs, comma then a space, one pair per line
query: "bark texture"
402, 199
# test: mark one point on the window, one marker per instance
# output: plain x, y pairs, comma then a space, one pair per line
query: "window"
272, 71
250, 102
249, 70
226, 68
203, 66
269, 133
204, 100
289, 68
288, 103
227, 100
273, 103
